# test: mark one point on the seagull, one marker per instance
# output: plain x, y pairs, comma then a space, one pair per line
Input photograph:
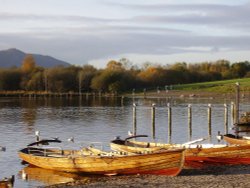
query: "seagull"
24, 175
71, 139
130, 133
117, 138
219, 136
37, 133
2, 148
55, 138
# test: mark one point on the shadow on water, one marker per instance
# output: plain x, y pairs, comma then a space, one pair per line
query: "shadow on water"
51, 177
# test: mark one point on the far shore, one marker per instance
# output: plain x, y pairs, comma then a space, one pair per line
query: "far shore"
188, 94
149, 94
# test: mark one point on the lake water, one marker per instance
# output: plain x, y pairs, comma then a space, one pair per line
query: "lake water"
96, 120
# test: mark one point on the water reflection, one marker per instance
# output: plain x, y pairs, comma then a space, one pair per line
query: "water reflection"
48, 177
29, 115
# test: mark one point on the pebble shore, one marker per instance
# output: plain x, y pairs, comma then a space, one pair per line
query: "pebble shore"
211, 177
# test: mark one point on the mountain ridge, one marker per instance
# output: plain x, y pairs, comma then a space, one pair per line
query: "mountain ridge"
14, 57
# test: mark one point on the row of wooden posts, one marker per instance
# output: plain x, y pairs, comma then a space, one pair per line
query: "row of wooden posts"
169, 109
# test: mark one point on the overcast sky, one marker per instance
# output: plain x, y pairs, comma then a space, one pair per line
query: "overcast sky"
158, 31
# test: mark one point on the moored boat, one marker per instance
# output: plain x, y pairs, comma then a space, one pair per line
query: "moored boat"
196, 155
94, 161
233, 139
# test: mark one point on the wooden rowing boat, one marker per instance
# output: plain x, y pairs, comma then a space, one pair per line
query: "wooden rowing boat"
196, 155
233, 139
93, 161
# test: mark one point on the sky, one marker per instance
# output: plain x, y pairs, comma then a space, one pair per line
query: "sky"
157, 31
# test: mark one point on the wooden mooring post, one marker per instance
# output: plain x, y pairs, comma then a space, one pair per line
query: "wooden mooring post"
225, 118
153, 120
209, 118
190, 121
232, 114
189, 116
134, 119
169, 123
237, 108
237, 103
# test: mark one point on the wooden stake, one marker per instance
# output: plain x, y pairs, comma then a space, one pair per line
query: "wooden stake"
232, 114
134, 119
169, 123
226, 118
209, 120
237, 103
190, 121
153, 121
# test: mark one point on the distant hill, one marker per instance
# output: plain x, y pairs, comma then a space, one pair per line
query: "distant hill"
14, 57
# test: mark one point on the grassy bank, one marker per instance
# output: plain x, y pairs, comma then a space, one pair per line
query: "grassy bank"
224, 86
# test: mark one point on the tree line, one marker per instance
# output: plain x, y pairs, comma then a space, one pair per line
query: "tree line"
117, 76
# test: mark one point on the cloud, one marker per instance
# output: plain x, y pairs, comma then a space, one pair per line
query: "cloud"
222, 15
80, 46
150, 28
49, 17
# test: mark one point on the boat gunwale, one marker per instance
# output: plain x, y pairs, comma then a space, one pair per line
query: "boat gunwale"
76, 153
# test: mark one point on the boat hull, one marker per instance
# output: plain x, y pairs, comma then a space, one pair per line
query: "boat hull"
233, 140
163, 162
228, 155
202, 162
201, 155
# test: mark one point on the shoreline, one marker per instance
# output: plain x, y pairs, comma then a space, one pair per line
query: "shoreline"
162, 93
225, 176
187, 94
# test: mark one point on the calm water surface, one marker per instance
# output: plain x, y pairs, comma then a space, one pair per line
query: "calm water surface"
95, 120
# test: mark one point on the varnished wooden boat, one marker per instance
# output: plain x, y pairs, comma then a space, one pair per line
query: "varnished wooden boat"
94, 161
233, 139
196, 155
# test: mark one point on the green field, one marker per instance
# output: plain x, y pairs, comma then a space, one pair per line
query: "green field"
216, 86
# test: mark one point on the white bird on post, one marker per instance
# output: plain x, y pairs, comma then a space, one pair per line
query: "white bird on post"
37, 133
